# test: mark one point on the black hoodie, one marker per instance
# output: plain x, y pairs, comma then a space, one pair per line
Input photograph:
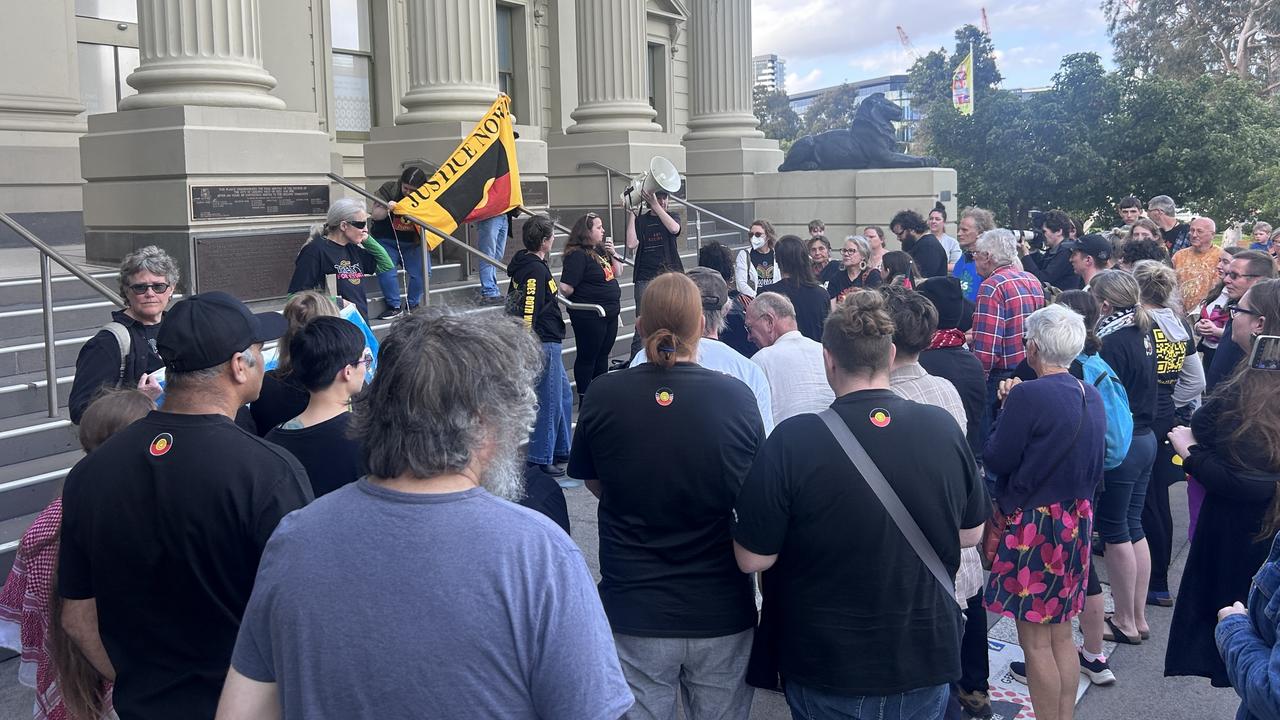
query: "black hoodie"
531, 277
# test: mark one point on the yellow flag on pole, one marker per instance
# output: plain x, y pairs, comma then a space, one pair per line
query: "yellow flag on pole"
480, 179
962, 86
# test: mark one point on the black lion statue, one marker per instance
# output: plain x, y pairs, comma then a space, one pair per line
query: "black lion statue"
868, 143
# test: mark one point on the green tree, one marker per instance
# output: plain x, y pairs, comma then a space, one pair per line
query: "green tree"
833, 109
777, 119
1223, 38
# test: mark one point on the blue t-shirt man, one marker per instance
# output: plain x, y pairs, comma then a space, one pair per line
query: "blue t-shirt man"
967, 270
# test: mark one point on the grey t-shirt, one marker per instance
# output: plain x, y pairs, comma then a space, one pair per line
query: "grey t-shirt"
372, 603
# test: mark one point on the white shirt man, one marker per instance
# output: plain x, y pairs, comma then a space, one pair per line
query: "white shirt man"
791, 362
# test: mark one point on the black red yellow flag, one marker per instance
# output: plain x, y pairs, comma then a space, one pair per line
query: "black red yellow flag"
479, 180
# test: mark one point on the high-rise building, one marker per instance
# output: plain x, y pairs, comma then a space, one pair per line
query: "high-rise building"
770, 72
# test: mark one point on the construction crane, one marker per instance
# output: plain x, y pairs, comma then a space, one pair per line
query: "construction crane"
986, 26
906, 44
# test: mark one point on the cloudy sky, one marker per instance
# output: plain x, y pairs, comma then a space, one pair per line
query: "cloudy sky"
827, 42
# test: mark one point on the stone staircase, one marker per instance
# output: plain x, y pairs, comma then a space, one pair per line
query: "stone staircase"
37, 451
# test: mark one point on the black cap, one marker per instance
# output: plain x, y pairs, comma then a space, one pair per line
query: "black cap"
712, 287
205, 330
947, 297
1095, 245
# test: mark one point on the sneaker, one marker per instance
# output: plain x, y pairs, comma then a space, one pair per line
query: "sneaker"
1159, 599
488, 300
976, 703
1019, 671
390, 313
549, 470
1098, 671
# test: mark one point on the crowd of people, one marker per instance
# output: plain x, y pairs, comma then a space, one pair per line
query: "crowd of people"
304, 542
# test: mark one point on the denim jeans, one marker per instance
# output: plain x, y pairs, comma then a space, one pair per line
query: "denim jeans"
549, 440
492, 241
409, 257
926, 703
707, 673
1118, 514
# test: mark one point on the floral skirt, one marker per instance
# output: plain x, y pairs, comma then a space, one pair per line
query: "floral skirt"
1041, 566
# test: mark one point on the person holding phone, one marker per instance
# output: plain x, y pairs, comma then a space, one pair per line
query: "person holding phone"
1233, 449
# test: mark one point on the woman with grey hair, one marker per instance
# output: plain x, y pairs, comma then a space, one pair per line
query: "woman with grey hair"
341, 246
856, 271
123, 352
1046, 450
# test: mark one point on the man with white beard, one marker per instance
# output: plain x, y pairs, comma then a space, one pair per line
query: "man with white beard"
420, 590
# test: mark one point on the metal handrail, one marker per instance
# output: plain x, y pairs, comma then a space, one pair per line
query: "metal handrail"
567, 231
599, 310
698, 209
46, 302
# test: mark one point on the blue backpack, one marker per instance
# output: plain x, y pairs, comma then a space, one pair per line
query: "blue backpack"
1116, 403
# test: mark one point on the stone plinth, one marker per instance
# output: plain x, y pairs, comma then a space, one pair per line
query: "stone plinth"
848, 200
140, 166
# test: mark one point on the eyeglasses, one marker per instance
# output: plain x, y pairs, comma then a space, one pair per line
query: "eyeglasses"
358, 224
1235, 309
848, 251
142, 288
1236, 276
365, 358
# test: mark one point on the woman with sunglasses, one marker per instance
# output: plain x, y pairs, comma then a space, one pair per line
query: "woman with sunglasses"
341, 246
331, 360
756, 267
590, 275
123, 353
1233, 449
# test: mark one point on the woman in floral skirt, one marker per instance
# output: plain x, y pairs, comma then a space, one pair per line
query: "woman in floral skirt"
1046, 451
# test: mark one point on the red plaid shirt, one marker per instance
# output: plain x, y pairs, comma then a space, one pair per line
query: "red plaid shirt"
1005, 299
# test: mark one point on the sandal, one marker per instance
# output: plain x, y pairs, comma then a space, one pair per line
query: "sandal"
1116, 635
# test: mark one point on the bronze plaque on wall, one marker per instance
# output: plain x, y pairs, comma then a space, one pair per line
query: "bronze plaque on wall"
250, 267
535, 193
221, 202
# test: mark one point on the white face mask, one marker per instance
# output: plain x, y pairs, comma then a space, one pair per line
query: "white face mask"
758, 242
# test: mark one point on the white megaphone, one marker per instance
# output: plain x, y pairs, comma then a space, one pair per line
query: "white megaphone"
662, 175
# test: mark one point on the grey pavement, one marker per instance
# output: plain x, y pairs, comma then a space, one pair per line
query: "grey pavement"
1142, 691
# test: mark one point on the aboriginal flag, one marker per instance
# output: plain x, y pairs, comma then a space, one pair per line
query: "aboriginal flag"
479, 180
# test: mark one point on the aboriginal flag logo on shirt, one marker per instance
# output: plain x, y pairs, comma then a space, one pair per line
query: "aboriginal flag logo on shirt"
879, 417
664, 397
161, 444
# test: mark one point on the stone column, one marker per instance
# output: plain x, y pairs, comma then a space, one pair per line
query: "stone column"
612, 54
453, 61
200, 52
720, 39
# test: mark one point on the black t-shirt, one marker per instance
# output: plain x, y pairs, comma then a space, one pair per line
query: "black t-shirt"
1131, 353
766, 270
829, 273
963, 369
591, 277
393, 227
164, 525
1176, 238
930, 256
281, 399
330, 458
841, 282
666, 556
850, 607
811, 303
657, 251
350, 263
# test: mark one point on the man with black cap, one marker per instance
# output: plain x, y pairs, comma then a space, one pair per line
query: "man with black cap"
163, 525
1089, 255
401, 238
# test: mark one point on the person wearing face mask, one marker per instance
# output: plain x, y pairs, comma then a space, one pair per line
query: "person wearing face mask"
755, 268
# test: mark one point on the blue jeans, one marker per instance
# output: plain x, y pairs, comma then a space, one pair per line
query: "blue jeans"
1118, 514
928, 703
549, 440
409, 257
492, 242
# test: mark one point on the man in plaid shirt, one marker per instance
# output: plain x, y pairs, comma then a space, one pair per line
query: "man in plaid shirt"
1005, 299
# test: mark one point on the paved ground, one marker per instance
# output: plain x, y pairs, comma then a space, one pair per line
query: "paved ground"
1142, 692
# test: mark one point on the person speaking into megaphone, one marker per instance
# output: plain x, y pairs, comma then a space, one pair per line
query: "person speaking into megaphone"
652, 234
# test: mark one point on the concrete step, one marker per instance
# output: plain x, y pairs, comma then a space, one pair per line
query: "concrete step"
28, 486
66, 288
25, 394
35, 435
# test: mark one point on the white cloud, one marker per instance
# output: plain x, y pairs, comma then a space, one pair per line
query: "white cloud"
859, 37
809, 81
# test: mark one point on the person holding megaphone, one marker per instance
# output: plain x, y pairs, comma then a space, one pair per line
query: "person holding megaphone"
652, 233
